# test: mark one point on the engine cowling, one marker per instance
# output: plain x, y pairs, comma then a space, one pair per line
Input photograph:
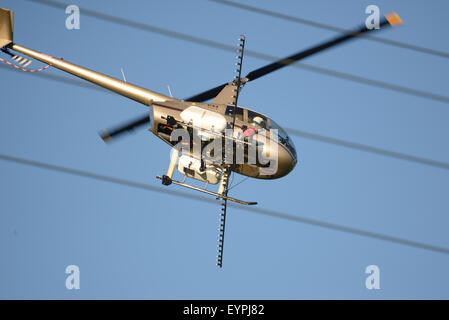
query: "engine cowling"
207, 121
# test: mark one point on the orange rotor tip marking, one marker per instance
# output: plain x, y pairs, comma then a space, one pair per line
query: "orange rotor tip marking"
393, 19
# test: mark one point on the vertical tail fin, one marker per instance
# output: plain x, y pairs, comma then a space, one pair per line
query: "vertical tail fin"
6, 27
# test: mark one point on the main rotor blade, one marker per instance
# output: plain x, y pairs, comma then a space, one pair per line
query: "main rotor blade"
389, 20
124, 128
207, 95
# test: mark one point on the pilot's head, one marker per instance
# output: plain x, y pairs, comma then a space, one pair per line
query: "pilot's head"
258, 121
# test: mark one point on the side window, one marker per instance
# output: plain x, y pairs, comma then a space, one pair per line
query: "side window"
238, 113
257, 120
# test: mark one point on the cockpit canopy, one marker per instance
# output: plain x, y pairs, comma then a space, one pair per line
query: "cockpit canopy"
260, 122
284, 138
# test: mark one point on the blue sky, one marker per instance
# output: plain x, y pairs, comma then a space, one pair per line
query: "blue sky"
131, 243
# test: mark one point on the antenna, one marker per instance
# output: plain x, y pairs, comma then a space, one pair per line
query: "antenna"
169, 91
123, 74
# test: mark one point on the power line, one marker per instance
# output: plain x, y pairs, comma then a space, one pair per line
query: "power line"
262, 56
267, 212
291, 131
366, 148
349, 230
295, 131
312, 23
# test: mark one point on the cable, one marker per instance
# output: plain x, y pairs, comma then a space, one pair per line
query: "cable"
291, 131
240, 182
362, 147
225, 47
267, 212
312, 23
232, 176
23, 69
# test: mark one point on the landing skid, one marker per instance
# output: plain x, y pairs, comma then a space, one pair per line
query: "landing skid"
167, 181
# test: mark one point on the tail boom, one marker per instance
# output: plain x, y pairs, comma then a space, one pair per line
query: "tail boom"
123, 88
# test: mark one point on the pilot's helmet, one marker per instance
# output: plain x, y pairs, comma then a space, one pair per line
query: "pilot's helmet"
259, 121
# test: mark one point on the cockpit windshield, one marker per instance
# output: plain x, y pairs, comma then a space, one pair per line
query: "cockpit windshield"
284, 138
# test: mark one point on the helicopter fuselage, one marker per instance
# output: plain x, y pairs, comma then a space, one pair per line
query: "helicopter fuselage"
268, 137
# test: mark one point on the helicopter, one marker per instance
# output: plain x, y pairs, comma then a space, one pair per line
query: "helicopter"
209, 140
